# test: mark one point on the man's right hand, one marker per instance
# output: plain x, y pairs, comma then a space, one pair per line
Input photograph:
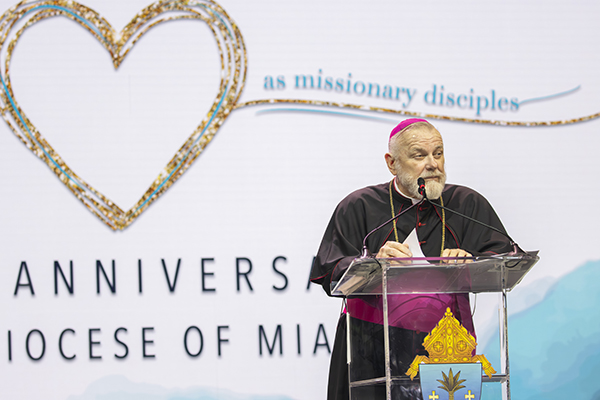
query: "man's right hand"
394, 250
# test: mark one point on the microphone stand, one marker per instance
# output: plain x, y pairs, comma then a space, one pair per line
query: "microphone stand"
366, 253
422, 192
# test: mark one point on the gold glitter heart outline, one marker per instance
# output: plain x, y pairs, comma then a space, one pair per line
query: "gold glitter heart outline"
232, 54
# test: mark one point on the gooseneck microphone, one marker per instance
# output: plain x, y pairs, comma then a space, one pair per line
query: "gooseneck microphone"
422, 192
366, 253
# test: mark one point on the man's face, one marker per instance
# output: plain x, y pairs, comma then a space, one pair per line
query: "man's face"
420, 154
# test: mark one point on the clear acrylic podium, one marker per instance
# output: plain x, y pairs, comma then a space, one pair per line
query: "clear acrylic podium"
422, 275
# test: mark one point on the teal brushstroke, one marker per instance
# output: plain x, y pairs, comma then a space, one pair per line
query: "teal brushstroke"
551, 96
308, 110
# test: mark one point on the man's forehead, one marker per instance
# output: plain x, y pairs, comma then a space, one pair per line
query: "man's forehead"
422, 137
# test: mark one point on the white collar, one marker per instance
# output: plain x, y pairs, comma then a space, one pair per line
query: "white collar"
414, 201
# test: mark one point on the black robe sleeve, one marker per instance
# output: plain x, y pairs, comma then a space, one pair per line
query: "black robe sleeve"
352, 219
339, 246
473, 237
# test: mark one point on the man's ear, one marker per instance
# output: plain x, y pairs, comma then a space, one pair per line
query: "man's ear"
391, 163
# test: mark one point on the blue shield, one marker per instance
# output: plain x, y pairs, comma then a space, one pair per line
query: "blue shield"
439, 381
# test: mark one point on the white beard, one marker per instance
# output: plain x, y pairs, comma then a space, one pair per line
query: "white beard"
433, 188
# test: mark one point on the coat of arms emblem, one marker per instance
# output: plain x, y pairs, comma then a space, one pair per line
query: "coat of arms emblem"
451, 371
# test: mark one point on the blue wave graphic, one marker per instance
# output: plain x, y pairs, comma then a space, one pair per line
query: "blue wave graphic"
555, 345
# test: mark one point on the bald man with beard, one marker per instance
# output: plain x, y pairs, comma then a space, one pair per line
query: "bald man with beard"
416, 150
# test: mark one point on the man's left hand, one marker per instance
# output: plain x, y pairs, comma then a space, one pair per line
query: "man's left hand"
456, 253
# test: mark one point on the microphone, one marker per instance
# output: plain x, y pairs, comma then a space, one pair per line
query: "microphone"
422, 192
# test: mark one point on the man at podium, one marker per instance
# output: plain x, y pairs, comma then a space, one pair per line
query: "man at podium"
416, 150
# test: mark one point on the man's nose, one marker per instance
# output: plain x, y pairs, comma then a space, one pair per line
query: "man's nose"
431, 163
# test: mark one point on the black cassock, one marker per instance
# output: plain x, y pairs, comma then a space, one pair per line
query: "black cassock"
352, 220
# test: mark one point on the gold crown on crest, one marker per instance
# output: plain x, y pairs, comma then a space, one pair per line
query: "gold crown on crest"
449, 343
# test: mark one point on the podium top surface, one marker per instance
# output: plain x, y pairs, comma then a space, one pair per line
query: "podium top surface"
365, 276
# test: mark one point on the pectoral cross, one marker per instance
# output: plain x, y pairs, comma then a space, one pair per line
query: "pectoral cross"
433, 396
469, 396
